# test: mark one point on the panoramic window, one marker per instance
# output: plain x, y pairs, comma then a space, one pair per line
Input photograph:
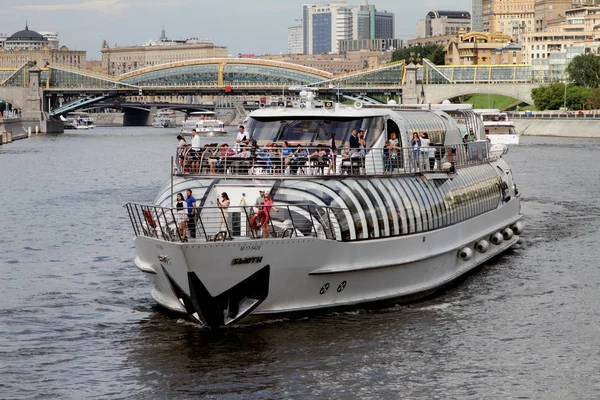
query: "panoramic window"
313, 130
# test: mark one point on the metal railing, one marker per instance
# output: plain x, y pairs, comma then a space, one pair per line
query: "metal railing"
313, 161
227, 223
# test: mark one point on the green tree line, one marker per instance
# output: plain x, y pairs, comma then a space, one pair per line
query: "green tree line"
582, 92
432, 52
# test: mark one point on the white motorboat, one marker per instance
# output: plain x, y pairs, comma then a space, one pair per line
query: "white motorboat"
164, 119
78, 120
498, 128
369, 227
205, 124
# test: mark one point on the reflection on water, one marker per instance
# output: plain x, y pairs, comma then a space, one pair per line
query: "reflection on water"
77, 319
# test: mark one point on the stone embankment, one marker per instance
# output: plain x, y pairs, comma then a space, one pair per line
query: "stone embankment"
588, 128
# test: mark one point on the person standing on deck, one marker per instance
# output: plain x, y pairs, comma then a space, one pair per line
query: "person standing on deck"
191, 206
195, 152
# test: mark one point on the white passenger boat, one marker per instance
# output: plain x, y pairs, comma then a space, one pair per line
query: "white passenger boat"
205, 124
368, 227
78, 120
164, 119
498, 128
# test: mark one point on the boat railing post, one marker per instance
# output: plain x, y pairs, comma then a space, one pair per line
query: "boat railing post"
131, 219
312, 221
327, 210
291, 219
176, 226
226, 222
248, 225
197, 219
139, 218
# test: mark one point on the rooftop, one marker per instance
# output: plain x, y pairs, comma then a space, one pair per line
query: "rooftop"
28, 35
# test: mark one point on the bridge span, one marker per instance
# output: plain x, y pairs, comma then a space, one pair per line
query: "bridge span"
57, 89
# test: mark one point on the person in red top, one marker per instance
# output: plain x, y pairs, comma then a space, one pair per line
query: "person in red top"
267, 207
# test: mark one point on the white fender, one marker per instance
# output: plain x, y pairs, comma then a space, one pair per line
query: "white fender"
507, 233
482, 246
358, 105
496, 238
517, 228
465, 254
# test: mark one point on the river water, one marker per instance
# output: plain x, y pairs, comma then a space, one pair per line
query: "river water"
77, 320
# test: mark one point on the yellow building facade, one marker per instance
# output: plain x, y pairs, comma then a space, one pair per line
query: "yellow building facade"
17, 58
482, 48
510, 17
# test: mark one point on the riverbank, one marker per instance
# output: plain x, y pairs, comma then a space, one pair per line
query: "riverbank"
584, 128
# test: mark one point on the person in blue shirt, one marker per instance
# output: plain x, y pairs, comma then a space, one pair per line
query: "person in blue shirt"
191, 209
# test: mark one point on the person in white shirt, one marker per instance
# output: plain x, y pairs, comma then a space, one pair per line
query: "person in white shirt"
242, 136
427, 151
195, 152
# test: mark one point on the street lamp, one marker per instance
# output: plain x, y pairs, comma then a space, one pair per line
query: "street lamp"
565, 96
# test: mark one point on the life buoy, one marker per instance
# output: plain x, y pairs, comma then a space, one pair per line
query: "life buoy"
149, 219
258, 220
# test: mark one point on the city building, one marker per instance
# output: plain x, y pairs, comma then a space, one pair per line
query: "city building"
25, 40
336, 63
295, 45
52, 38
119, 60
325, 25
483, 48
579, 26
27, 45
347, 46
3, 37
550, 12
511, 17
477, 15
442, 22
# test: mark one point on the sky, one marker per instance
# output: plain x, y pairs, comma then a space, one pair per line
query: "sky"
243, 26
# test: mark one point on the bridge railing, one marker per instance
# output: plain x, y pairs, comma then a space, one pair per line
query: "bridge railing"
274, 160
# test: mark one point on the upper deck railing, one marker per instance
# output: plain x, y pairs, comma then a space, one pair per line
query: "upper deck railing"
225, 223
274, 161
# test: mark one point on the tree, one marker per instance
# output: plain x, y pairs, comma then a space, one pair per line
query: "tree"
552, 97
584, 70
432, 52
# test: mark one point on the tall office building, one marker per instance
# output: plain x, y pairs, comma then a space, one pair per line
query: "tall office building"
477, 15
295, 45
325, 25
511, 17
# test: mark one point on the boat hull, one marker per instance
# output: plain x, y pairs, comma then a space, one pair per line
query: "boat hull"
270, 278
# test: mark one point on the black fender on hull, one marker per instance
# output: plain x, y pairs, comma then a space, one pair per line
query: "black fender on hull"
227, 307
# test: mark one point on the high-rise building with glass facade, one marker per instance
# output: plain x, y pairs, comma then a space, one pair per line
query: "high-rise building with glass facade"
325, 25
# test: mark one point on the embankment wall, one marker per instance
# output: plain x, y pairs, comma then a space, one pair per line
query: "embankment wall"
558, 127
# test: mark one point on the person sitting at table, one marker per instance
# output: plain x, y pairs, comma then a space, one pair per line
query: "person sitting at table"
240, 162
219, 160
319, 158
299, 158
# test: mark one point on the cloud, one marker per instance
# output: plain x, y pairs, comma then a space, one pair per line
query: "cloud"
88, 5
